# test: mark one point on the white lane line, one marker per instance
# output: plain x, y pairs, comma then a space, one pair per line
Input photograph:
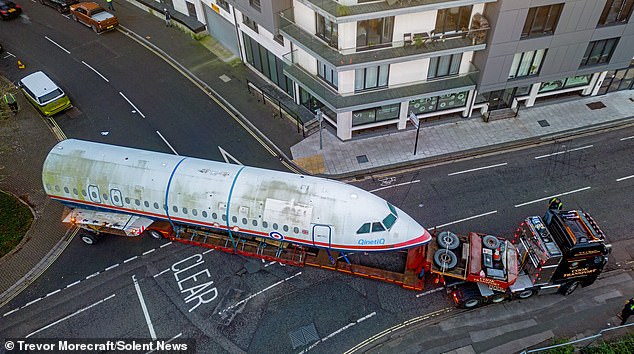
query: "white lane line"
96, 72
10, 312
60, 47
148, 252
258, 293
552, 196
563, 152
209, 250
130, 259
145, 312
477, 169
72, 284
624, 178
132, 104
71, 315
53, 292
167, 143
465, 219
166, 270
92, 275
627, 138
112, 267
396, 185
429, 292
167, 341
165, 245
32, 302
338, 331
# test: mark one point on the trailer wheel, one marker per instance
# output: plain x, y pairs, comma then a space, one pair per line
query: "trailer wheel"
448, 240
155, 234
445, 259
89, 239
569, 287
491, 242
525, 294
497, 298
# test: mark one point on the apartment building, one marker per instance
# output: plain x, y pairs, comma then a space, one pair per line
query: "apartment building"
379, 64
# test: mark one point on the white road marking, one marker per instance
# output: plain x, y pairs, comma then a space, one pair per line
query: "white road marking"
209, 250
429, 292
338, 331
396, 185
477, 169
166, 244
145, 312
148, 252
167, 341
624, 178
112, 267
469, 218
60, 47
552, 196
96, 72
130, 259
10, 312
32, 302
53, 292
132, 104
73, 284
167, 143
627, 138
563, 152
166, 270
92, 275
71, 315
258, 293
8, 55
227, 156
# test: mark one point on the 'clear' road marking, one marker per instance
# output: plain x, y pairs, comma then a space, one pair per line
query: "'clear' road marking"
396, 185
627, 138
624, 178
477, 169
130, 259
258, 293
465, 219
563, 152
96, 72
552, 196
338, 331
145, 312
166, 142
150, 251
60, 47
71, 315
132, 104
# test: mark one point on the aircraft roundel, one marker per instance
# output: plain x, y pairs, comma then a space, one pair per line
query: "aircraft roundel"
276, 235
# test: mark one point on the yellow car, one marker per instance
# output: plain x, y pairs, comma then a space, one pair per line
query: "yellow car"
44, 94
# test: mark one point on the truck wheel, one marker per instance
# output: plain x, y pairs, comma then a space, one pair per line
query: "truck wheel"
445, 259
448, 240
155, 234
569, 287
525, 294
89, 239
491, 242
472, 302
497, 298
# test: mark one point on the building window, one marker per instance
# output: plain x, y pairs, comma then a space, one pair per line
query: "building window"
327, 31
616, 11
374, 115
541, 20
375, 32
250, 23
599, 52
255, 4
446, 65
527, 63
279, 38
371, 78
191, 9
453, 20
224, 4
267, 63
568, 82
327, 73
438, 103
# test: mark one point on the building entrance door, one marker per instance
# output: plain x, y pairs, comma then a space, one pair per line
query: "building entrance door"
501, 99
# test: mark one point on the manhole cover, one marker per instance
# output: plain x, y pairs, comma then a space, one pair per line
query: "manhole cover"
595, 105
543, 123
303, 336
362, 159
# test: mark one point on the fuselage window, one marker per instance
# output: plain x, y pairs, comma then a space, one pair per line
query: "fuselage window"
364, 229
116, 199
57, 188
224, 217
254, 222
194, 212
296, 230
105, 196
66, 190
146, 203
127, 200
389, 220
234, 219
377, 226
244, 221
285, 228
175, 209
204, 214
137, 202
214, 216
48, 187
94, 195
274, 226
83, 192
265, 224
156, 206
75, 191
184, 210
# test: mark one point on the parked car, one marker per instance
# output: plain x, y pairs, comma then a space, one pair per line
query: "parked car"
44, 94
8, 9
62, 6
93, 16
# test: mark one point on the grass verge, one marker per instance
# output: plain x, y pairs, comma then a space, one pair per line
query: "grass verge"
15, 220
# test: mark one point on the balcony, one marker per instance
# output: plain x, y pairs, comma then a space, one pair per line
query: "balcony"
368, 99
413, 46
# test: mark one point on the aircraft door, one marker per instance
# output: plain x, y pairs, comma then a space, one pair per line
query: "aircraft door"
322, 235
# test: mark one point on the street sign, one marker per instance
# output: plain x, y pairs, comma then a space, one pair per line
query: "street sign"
412, 118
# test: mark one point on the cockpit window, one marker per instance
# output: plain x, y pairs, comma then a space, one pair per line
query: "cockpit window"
389, 221
392, 209
377, 226
364, 229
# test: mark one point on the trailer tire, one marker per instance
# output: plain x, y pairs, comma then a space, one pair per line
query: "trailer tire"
497, 298
569, 287
525, 294
445, 259
155, 234
448, 240
491, 242
89, 239
472, 302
